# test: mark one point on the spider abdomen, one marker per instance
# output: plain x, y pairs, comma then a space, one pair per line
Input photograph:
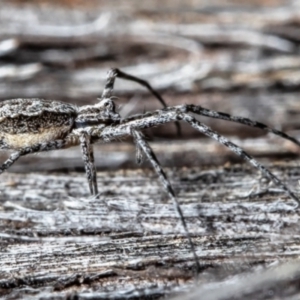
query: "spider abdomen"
27, 122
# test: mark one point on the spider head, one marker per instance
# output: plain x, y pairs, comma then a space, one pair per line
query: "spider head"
108, 109
104, 112
107, 104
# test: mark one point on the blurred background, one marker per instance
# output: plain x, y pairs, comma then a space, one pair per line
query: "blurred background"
240, 57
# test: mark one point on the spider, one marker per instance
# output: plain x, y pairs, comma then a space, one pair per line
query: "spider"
36, 125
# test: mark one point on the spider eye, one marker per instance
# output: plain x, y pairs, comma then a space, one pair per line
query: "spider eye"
109, 105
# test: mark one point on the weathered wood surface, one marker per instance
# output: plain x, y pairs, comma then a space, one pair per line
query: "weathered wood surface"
58, 242
279, 282
238, 57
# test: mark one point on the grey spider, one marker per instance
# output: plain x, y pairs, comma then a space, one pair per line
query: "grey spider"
35, 125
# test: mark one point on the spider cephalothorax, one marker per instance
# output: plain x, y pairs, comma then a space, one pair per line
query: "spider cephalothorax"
35, 125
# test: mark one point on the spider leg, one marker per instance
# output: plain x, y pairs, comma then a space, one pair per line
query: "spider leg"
238, 151
109, 86
218, 115
139, 155
245, 121
47, 146
89, 164
145, 147
177, 113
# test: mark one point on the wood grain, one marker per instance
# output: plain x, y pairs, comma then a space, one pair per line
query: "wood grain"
57, 241
240, 57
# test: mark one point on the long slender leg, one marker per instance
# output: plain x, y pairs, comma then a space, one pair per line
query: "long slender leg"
109, 86
114, 73
239, 151
218, 115
245, 121
88, 158
94, 171
58, 144
143, 145
170, 115
139, 155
